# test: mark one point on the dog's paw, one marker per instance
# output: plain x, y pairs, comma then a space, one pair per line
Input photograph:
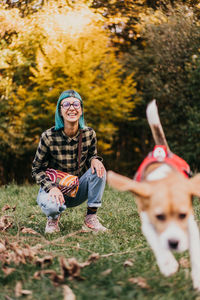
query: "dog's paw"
167, 264
196, 278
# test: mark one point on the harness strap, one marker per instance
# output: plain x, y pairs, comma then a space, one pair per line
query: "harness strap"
79, 151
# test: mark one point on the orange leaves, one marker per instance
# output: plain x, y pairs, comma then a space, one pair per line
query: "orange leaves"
69, 268
14, 253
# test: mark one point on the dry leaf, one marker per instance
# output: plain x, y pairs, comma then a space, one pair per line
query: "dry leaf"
57, 279
139, 281
106, 272
92, 258
7, 271
128, 263
68, 293
6, 206
2, 247
28, 230
47, 260
70, 267
26, 292
18, 289
184, 262
5, 223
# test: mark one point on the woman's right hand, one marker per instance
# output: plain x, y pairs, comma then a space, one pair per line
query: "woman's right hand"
56, 195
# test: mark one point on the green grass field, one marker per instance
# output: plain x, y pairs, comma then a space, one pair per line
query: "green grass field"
105, 278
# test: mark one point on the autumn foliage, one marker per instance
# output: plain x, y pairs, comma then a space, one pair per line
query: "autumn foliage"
118, 55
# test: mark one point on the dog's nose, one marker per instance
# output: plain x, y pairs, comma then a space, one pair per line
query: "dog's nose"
173, 244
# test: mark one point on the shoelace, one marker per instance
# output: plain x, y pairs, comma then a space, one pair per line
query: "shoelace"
52, 222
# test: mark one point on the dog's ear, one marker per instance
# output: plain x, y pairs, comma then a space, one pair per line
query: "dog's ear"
123, 183
195, 185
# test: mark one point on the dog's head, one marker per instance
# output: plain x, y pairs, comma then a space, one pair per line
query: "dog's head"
166, 202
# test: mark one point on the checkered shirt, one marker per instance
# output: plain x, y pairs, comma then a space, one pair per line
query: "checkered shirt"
58, 151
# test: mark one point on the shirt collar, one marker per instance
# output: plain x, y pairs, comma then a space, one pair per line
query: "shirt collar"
74, 138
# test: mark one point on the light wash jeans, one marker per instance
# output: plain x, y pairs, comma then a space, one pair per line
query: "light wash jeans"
91, 187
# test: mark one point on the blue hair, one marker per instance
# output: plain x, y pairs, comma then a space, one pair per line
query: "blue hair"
58, 119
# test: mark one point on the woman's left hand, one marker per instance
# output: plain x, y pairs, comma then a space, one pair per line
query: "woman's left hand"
98, 166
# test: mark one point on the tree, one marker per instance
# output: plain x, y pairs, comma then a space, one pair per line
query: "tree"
162, 73
59, 54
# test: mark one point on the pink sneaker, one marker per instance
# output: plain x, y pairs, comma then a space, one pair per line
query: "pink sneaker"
52, 226
92, 223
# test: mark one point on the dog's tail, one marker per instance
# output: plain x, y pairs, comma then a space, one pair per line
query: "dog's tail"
155, 124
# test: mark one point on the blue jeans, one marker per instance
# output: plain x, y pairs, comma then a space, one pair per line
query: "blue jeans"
91, 187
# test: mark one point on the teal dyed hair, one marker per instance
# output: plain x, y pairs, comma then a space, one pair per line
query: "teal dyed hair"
58, 119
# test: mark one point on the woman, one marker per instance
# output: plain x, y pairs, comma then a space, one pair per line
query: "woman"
58, 149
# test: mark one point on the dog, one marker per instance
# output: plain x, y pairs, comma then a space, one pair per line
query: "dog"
164, 195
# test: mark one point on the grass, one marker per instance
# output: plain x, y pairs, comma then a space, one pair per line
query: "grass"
123, 242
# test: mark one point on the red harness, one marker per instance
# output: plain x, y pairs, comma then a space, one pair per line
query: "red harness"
160, 154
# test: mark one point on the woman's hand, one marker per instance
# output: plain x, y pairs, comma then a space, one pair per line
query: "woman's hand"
56, 195
98, 166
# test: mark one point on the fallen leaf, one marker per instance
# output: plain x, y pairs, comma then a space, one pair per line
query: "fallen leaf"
26, 292
2, 247
7, 271
18, 289
140, 281
70, 267
184, 262
106, 272
92, 258
5, 223
41, 262
28, 230
5, 207
68, 293
57, 279
128, 263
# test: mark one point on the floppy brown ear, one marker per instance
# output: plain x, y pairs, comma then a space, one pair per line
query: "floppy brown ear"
195, 185
123, 183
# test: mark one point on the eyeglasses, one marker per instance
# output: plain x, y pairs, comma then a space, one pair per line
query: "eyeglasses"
66, 105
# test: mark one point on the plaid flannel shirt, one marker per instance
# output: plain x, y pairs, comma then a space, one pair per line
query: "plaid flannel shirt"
58, 151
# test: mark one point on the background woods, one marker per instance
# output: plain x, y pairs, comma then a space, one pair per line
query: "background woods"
118, 55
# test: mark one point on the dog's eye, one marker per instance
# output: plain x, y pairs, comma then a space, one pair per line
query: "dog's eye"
182, 216
161, 217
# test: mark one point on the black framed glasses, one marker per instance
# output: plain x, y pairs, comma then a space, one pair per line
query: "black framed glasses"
76, 104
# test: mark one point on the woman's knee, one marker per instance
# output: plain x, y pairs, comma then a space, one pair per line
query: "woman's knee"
99, 179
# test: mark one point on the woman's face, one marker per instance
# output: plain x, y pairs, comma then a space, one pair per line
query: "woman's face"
71, 109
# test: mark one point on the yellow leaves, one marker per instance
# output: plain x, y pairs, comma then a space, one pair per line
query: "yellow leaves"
155, 17
10, 21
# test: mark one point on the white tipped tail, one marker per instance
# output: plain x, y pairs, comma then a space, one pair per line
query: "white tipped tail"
155, 124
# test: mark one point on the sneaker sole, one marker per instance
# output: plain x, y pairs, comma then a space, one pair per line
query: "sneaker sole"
87, 229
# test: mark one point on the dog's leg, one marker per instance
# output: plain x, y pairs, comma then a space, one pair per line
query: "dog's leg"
194, 249
165, 260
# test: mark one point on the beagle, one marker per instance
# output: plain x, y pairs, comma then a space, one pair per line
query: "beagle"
164, 194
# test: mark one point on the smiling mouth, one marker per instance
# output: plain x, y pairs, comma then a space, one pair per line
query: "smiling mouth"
72, 114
